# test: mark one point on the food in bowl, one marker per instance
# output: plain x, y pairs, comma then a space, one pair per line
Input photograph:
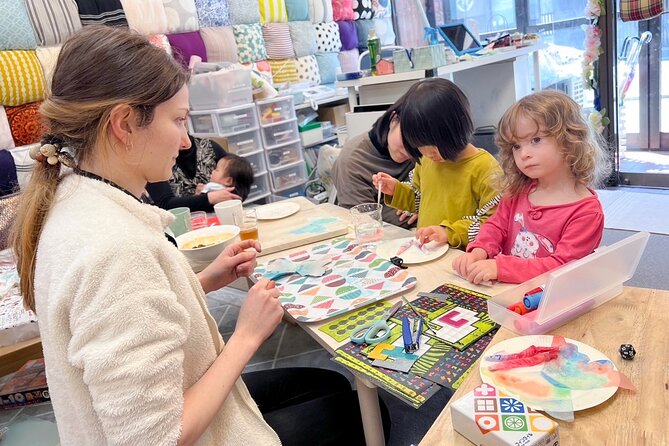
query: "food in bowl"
207, 240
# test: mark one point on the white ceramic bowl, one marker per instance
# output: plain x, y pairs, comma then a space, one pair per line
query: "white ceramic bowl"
207, 253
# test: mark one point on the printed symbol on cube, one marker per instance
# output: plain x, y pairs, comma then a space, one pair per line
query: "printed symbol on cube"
485, 405
485, 390
514, 423
511, 405
487, 423
541, 424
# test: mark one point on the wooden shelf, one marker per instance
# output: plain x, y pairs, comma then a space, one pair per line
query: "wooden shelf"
14, 356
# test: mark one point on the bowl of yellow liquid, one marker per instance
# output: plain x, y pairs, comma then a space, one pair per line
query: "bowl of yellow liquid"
205, 244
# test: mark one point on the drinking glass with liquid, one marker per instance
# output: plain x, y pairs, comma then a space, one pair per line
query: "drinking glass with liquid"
368, 223
248, 226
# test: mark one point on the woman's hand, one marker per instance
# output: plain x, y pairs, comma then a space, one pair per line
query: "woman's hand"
216, 196
198, 188
462, 263
260, 313
236, 261
432, 233
482, 271
387, 183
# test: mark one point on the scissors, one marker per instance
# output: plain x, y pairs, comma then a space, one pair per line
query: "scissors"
377, 331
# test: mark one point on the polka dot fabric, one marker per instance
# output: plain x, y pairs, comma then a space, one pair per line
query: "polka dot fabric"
327, 37
362, 9
307, 70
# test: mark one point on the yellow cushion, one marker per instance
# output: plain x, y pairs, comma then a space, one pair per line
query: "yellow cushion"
273, 11
284, 71
21, 78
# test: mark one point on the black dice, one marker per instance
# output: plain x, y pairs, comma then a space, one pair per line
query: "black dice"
627, 351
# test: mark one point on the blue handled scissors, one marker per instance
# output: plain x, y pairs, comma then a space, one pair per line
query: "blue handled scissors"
377, 331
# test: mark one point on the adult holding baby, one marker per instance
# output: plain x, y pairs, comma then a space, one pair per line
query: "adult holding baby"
132, 354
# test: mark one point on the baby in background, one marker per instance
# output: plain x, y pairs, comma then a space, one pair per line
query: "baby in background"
232, 172
548, 215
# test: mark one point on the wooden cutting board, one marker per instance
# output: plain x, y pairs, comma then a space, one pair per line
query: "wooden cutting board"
312, 223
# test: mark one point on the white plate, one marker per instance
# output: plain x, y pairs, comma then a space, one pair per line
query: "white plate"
413, 255
581, 399
275, 211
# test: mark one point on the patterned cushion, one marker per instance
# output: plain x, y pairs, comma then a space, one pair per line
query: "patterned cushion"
181, 16
316, 11
349, 60
185, 45
362, 9
303, 36
21, 78
327, 11
95, 12
272, 11
211, 13
26, 124
327, 37
342, 10
277, 41
348, 34
53, 20
327, 67
48, 56
307, 70
363, 27
244, 12
298, 10
17, 33
220, 44
381, 9
146, 16
6, 139
284, 71
384, 29
250, 43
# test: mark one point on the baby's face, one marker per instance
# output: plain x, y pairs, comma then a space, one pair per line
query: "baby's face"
220, 174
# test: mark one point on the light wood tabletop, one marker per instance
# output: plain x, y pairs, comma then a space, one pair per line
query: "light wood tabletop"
639, 317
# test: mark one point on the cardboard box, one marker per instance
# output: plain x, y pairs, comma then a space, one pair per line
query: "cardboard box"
488, 417
336, 114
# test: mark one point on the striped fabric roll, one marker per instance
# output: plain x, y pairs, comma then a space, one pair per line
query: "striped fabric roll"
53, 20
95, 12
277, 41
284, 71
220, 44
21, 77
273, 11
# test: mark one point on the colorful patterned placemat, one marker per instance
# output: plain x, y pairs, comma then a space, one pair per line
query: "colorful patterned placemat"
354, 278
342, 328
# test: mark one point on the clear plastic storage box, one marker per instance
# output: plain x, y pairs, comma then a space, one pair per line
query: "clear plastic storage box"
236, 119
275, 135
257, 161
572, 289
288, 176
202, 124
284, 155
215, 86
244, 142
274, 110
259, 188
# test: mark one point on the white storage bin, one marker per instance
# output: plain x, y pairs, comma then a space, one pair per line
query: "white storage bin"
312, 137
288, 176
202, 124
280, 134
214, 86
284, 155
244, 142
257, 161
277, 109
259, 188
236, 119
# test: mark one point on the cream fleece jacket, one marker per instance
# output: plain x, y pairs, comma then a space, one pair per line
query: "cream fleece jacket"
125, 327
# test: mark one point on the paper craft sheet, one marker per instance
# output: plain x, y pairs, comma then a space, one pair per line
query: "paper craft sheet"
354, 278
342, 328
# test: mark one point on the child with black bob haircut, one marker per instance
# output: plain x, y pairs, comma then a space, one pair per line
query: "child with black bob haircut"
452, 176
232, 172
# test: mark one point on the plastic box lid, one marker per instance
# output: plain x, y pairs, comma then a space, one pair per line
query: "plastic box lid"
572, 289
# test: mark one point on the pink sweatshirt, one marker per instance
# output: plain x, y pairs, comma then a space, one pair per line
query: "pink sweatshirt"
527, 240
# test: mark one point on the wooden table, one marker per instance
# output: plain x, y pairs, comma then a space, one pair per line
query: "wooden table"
429, 275
639, 317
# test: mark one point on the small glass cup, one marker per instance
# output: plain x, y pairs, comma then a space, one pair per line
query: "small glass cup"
368, 223
198, 219
248, 224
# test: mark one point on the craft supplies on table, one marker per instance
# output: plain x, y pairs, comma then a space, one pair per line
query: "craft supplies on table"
487, 416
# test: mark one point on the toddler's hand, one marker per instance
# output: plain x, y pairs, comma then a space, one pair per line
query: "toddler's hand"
482, 271
198, 188
387, 183
462, 263
432, 233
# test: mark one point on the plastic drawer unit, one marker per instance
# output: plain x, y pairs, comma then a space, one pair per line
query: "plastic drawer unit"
284, 155
288, 176
275, 110
279, 134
